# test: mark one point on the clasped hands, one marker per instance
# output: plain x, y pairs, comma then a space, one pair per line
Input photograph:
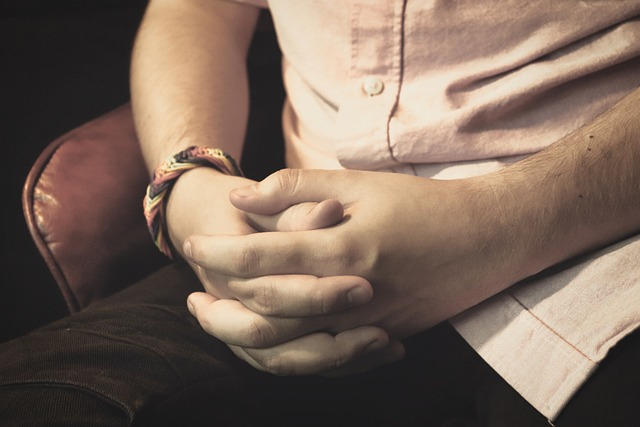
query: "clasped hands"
348, 263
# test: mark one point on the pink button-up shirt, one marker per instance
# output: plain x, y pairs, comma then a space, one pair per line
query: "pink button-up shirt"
450, 89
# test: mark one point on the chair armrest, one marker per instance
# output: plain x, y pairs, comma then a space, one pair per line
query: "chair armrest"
83, 206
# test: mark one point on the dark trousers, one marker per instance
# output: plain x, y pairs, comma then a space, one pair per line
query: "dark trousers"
139, 358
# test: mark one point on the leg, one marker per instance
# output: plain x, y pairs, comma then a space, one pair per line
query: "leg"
124, 361
139, 358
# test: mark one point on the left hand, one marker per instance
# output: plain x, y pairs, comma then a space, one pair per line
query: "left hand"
429, 248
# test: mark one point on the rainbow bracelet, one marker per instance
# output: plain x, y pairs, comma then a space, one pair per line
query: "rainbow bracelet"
166, 175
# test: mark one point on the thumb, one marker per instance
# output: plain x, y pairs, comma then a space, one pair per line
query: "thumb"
300, 217
198, 302
283, 189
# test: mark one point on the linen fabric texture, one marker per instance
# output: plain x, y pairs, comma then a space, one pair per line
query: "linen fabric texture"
451, 90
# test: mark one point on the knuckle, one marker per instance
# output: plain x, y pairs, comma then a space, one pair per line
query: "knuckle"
288, 180
324, 302
245, 261
340, 360
265, 299
276, 365
260, 334
358, 258
346, 252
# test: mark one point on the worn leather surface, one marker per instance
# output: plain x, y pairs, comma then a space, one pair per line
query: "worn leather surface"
83, 206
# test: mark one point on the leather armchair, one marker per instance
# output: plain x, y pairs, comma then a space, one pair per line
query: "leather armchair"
83, 201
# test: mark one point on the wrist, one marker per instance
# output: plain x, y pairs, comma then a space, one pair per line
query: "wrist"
529, 221
164, 179
196, 202
508, 233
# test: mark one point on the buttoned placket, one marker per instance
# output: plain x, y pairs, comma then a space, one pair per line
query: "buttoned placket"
374, 84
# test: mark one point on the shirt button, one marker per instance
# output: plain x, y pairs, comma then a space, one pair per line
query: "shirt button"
372, 86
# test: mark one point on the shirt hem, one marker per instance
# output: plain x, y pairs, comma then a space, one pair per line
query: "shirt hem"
506, 335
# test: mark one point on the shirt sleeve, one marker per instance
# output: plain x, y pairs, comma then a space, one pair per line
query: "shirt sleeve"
546, 336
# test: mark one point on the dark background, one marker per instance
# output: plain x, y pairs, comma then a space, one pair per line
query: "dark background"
62, 63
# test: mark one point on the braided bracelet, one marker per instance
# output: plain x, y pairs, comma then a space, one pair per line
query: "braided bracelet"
166, 175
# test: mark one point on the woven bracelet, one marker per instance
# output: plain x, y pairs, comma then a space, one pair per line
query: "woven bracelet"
166, 175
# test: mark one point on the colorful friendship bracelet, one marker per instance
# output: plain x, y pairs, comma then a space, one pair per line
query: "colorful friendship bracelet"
166, 175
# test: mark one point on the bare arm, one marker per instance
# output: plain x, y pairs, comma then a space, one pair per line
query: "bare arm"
189, 87
581, 193
189, 78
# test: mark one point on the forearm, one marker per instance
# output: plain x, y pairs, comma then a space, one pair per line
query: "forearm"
189, 87
581, 193
188, 77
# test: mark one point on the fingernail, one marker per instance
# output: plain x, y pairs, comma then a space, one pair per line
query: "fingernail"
190, 306
247, 191
358, 295
187, 248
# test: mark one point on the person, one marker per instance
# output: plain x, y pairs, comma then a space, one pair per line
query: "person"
454, 169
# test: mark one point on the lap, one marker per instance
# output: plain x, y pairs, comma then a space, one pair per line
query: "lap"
132, 352
139, 358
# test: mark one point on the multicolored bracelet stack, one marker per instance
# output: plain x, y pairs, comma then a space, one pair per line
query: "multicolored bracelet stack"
166, 175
